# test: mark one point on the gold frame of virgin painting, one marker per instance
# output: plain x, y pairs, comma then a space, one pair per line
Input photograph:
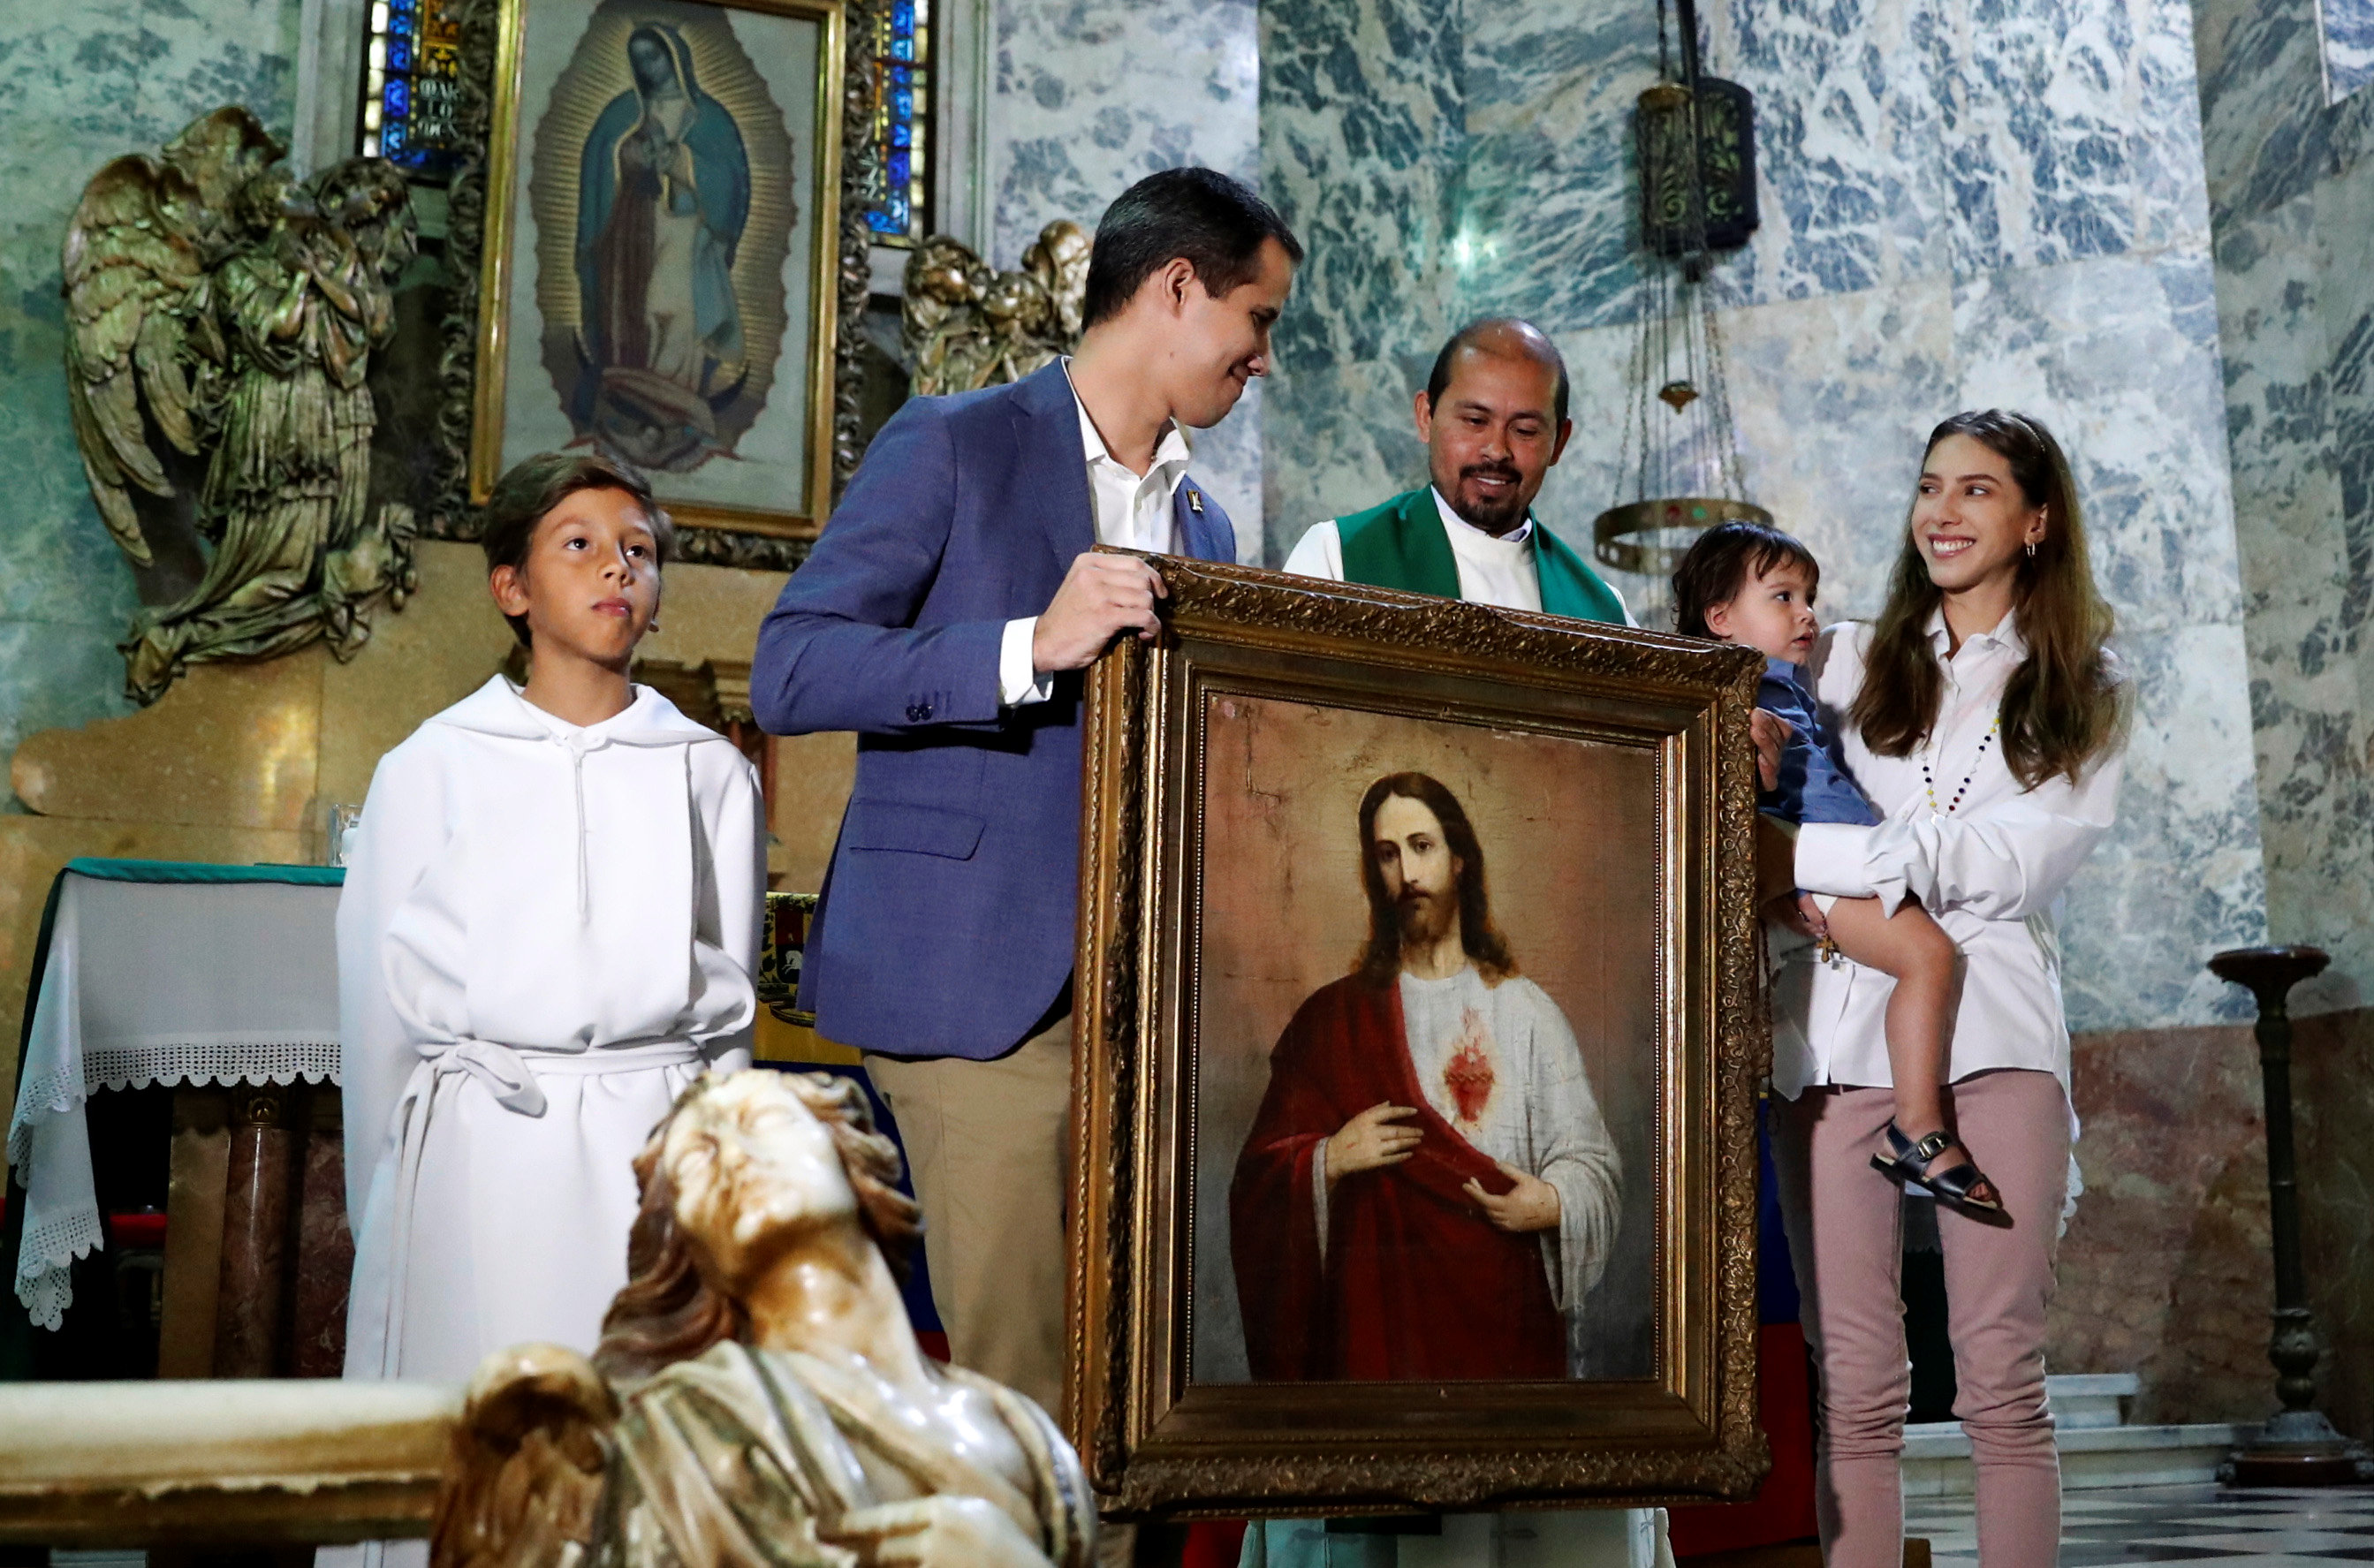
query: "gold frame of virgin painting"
1222, 874
677, 398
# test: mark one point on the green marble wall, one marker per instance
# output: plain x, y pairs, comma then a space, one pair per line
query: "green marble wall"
81, 84
2291, 215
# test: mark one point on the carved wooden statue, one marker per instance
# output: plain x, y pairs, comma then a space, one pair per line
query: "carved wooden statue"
239, 309
968, 327
758, 1398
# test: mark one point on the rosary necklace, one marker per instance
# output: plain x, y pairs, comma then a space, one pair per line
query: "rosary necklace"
1929, 779
1828, 950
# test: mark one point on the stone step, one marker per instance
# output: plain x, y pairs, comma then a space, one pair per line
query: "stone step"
2089, 1398
1937, 1456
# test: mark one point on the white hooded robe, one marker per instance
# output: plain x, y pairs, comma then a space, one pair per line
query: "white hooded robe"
546, 932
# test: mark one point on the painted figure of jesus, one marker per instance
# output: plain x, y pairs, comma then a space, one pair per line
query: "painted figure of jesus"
1428, 1191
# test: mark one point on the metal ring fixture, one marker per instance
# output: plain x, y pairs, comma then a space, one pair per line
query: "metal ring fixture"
1612, 534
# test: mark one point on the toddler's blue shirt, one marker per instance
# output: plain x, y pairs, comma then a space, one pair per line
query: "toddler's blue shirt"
1815, 784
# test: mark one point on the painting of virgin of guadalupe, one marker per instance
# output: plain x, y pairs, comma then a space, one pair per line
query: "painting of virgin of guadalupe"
664, 196
661, 267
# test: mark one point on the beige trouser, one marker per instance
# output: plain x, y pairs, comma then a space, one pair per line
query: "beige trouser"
1845, 1224
987, 1143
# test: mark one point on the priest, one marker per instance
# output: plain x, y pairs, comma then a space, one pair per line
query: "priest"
1494, 420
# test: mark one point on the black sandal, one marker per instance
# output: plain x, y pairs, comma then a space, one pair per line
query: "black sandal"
1909, 1161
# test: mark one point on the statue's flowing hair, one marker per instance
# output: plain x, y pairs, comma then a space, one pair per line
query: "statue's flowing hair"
669, 1311
1380, 960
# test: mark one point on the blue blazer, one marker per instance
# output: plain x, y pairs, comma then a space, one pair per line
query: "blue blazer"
948, 917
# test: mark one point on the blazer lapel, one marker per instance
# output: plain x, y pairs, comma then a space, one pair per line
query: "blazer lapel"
1202, 533
1047, 430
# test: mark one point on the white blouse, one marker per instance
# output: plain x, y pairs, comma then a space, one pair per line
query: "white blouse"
1991, 870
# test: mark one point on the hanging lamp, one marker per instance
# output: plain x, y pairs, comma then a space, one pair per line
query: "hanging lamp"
1695, 139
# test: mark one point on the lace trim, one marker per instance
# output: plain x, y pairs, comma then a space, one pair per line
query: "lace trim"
47, 1093
43, 1281
52, 1092
212, 1061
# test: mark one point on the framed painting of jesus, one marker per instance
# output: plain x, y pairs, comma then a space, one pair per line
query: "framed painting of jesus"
1419, 1041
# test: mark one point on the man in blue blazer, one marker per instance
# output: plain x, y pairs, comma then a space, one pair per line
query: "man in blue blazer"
944, 616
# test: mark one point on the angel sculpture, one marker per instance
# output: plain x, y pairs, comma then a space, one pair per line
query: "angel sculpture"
239, 309
758, 1399
1059, 259
968, 327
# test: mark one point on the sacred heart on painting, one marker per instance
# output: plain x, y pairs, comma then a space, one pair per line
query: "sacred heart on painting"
1420, 1046
1467, 1078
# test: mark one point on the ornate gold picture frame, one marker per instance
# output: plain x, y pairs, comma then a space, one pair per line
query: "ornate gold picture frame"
672, 244
1292, 787
774, 368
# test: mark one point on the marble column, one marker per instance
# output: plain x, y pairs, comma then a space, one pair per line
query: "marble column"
2291, 208
260, 1188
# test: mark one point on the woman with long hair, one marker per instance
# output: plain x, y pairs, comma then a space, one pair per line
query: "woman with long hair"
1984, 713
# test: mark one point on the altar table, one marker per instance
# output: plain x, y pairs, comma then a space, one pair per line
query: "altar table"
158, 972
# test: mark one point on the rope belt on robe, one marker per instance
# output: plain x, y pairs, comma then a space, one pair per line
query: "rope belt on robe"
504, 1073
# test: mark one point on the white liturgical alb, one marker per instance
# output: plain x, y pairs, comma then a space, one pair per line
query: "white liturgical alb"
546, 932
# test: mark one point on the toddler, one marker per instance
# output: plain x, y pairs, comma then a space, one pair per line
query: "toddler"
1746, 583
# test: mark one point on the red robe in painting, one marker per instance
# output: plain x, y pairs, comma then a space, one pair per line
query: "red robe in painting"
1416, 1284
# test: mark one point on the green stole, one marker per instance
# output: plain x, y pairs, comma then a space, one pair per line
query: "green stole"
1401, 544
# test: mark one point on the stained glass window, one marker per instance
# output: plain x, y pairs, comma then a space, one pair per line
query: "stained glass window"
409, 86
898, 207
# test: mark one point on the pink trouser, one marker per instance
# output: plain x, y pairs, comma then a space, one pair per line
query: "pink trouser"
1846, 1236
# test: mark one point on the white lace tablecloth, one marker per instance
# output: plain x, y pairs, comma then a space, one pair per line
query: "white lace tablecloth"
159, 982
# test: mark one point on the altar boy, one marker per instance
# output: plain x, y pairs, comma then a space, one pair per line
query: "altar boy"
549, 929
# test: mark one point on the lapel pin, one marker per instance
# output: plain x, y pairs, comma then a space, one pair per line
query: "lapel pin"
1194, 500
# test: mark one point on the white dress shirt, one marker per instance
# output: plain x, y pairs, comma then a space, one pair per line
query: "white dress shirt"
1991, 871
1135, 511
1494, 569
